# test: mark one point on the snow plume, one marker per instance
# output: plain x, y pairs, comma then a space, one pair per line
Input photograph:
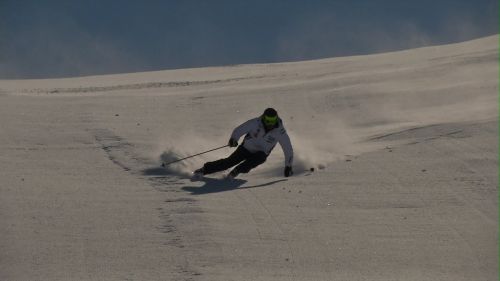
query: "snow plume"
172, 148
317, 146
317, 150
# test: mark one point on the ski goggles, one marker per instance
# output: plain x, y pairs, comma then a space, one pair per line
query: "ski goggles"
270, 120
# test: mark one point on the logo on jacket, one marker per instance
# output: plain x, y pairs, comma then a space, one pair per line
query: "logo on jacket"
256, 134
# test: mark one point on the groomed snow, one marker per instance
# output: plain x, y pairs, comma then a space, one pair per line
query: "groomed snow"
404, 146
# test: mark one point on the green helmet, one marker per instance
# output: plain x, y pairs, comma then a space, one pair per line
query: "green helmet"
270, 117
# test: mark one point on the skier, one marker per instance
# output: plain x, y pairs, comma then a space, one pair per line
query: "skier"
262, 134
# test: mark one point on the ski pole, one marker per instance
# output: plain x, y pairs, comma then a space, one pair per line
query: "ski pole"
166, 164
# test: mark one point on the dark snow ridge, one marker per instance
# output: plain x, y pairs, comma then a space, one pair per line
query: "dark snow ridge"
136, 86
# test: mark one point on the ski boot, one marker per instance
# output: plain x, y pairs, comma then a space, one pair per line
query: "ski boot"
198, 174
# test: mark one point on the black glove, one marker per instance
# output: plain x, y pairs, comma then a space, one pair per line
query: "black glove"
232, 142
288, 171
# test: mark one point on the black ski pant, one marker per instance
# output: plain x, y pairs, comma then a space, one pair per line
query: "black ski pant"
246, 160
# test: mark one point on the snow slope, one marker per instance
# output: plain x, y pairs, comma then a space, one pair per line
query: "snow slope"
405, 187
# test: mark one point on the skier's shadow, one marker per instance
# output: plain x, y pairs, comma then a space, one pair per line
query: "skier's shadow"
220, 185
211, 185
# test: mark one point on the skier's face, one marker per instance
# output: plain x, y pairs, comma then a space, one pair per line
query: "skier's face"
268, 127
269, 121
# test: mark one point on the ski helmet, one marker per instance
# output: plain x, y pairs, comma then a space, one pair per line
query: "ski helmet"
270, 117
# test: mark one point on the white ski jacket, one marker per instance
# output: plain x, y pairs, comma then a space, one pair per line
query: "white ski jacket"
257, 139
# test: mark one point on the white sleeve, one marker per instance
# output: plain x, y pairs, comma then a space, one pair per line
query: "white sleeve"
286, 145
243, 129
